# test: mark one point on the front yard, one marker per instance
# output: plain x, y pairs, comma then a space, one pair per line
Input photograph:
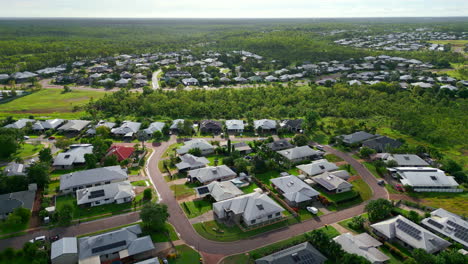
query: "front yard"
182, 190
196, 208
185, 254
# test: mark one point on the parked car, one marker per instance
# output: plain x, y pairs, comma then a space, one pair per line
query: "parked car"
52, 138
54, 238
319, 147
312, 209
26, 137
36, 239
399, 188
381, 182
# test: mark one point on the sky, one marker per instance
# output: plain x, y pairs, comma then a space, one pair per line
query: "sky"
233, 8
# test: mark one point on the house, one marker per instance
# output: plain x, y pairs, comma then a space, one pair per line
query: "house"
64, 251
209, 174
176, 124
427, 179
74, 126
74, 156
403, 231
449, 225
242, 147
138, 83
122, 82
219, 191
118, 192
205, 147
248, 209
127, 129
422, 84
122, 152
299, 154
19, 124
280, 145
47, 124
14, 169
23, 76
382, 144
240, 79
190, 81
296, 192
211, 127
265, 125
92, 131
406, 160
271, 78
317, 167
73, 181
177, 74
153, 127
449, 86
362, 245
302, 253
191, 162
355, 138
122, 245
10, 201
292, 125
235, 126
332, 183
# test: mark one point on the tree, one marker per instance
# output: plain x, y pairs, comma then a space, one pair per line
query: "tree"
90, 160
45, 155
195, 151
451, 166
158, 135
147, 194
103, 131
39, 173
241, 165
154, 216
111, 160
23, 213
392, 163
365, 152
413, 216
13, 220
66, 89
65, 215
142, 137
311, 121
357, 222
378, 209
300, 140
63, 143
9, 146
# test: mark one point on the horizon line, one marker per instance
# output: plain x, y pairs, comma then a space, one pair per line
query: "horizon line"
382, 17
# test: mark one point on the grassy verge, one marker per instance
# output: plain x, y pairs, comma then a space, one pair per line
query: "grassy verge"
372, 169
185, 254
195, 208
332, 158
364, 190
171, 149
139, 183
182, 190
346, 224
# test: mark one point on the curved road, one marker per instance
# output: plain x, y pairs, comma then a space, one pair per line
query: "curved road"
212, 251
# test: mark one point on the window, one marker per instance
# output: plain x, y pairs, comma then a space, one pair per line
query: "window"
278, 214
106, 199
270, 216
97, 202
253, 221
107, 182
88, 186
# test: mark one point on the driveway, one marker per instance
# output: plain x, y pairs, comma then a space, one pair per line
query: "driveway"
155, 80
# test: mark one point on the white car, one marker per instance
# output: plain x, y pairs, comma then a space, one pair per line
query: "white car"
39, 238
313, 210
26, 137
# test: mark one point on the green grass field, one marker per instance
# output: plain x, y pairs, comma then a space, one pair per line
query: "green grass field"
28, 150
363, 188
182, 190
452, 202
345, 224
49, 102
196, 208
332, 158
185, 254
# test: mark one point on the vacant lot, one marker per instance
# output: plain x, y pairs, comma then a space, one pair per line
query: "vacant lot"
48, 102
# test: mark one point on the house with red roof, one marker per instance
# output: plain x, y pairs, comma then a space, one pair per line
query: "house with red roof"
122, 152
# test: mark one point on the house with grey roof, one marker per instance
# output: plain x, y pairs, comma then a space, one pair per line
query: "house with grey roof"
74, 156
296, 192
120, 245
23, 76
127, 129
191, 162
118, 192
209, 174
362, 245
73, 181
154, 260
14, 169
403, 231
317, 167
249, 209
190, 81
74, 126
332, 183
235, 126
122, 82
280, 145
10, 201
64, 251
303, 253
19, 124
176, 124
242, 147
448, 224
355, 138
4, 77
265, 125
211, 127
101, 123
153, 127
205, 147
427, 179
293, 125
299, 154
407, 160
47, 124
382, 144
219, 191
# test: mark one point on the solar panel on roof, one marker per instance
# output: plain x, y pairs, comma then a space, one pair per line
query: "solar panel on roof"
435, 223
203, 190
96, 194
324, 183
409, 229
109, 246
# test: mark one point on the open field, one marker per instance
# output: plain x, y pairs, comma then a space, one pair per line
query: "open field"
453, 202
50, 102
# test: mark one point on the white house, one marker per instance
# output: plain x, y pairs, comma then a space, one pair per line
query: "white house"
317, 167
427, 179
118, 192
299, 154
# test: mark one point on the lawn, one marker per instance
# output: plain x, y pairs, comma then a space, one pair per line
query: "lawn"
250, 188
453, 202
364, 190
351, 170
345, 224
140, 183
372, 169
171, 149
28, 150
79, 212
162, 236
185, 254
212, 158
48, 101
393, 259
332, 158
52, 186
196, 208
12, 229
265, 177
213, 230
182, 190
338, 197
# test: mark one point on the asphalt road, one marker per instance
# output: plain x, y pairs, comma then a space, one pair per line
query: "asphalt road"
212, 251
